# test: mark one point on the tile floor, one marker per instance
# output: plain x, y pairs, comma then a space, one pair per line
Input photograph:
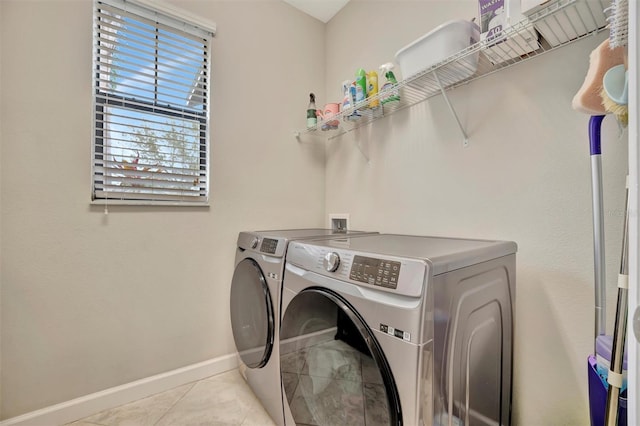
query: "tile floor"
333, 372
225, 399
331, 383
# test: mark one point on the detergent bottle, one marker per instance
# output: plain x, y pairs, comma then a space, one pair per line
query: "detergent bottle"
372, 89
389, 93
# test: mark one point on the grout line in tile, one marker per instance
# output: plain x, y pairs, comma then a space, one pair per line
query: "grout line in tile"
84, 422
177, 401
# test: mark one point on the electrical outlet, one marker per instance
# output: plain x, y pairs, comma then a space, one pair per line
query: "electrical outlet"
339, 222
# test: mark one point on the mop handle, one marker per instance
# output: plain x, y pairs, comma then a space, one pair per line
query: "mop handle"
619, 333
600, 323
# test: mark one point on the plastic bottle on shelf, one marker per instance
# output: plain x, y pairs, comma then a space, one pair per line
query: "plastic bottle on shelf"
388, 93
372, 89
352, 92
346, 91
361, 85
355, 115
312, 118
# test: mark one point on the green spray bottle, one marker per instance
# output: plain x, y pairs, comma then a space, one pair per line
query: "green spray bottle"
361, 85
389, 92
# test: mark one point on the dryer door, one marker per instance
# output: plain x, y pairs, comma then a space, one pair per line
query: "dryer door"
251, 314
333, 369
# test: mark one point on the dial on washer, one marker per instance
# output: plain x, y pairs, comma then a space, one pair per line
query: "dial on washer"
331, 261
254, 242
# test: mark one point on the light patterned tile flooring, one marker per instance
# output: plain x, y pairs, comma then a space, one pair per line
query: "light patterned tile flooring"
225, 399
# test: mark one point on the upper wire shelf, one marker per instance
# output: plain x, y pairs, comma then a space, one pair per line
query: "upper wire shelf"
560, 23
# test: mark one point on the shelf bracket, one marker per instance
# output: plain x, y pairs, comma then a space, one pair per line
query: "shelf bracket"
465, 140
366, 157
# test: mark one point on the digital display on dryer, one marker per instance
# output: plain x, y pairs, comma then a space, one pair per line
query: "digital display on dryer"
380, 272
269, 245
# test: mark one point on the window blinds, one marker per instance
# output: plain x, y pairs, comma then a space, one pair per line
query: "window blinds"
151, 96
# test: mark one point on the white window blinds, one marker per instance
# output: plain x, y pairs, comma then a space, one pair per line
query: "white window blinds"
151, 94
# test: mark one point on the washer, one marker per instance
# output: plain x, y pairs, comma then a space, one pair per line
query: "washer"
255, 307
397, 329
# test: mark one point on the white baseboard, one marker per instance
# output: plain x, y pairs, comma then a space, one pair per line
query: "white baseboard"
293, 344
87, 405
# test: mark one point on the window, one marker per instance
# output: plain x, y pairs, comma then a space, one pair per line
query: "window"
151, 94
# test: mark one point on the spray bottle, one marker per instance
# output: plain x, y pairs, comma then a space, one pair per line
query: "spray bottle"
389, 93
361, 85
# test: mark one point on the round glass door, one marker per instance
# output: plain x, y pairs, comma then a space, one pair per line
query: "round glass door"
333, 369
251, 314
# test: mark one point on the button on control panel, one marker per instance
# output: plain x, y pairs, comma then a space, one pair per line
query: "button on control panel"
269, 245
380, 272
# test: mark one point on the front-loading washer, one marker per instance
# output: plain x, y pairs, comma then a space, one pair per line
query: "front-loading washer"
255, 307
395, 329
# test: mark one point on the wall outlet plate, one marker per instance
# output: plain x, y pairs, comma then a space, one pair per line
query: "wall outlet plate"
339, 221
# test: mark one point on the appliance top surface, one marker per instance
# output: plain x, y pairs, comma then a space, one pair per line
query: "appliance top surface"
296, 234
444, 254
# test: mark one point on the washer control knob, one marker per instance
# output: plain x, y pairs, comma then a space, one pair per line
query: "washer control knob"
331, 261
254, 242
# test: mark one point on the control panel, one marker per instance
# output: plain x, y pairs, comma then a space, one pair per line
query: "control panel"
398, 275
269, 245
378, 272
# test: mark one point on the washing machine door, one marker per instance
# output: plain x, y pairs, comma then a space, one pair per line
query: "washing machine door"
333, 369
252, 319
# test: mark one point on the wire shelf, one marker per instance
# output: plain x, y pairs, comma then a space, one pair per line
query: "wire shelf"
560, 23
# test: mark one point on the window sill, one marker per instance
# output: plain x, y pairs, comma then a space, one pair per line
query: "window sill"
108, 203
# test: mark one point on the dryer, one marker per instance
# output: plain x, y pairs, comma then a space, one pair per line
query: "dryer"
255, 307
397, 329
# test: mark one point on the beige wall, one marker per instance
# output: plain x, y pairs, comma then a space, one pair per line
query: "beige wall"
71, 326
92, 301
525, 177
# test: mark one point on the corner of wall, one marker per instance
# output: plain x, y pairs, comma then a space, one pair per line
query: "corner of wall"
1, 26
